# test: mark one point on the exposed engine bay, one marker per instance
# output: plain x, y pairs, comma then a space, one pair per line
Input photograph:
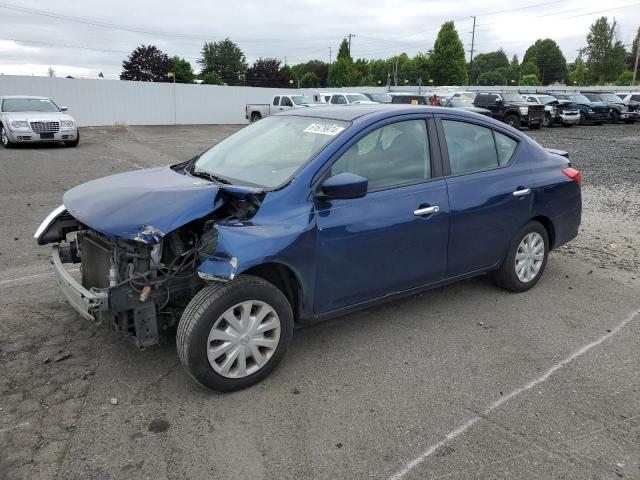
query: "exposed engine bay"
147, 281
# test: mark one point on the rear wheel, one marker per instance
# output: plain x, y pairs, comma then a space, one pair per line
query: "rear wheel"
526, 260
255, 116
4, 138
583, 119
234, 334
512, 120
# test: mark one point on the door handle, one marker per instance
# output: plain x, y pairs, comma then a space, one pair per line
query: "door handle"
426, 210
522, 193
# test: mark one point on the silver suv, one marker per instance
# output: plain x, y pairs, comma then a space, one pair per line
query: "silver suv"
26, 119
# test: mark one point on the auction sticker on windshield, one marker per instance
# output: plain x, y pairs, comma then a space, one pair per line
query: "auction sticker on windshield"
331, 130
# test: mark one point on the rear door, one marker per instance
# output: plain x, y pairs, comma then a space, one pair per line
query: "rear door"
394, 238
489, 181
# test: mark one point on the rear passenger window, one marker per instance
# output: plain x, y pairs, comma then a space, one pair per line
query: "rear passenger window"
276, 100
635, 98
471, 147
393, 155
505, 146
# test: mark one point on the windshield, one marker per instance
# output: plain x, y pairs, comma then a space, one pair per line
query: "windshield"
512, 97
546, 99
459, 102
593, 97
380, 97
578, 98
267, 153
610, 97
29, 105
301, 100
357, 97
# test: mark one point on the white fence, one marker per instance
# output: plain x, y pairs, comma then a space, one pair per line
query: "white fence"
108, 102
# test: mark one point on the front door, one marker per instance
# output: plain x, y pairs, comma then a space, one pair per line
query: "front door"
395, 237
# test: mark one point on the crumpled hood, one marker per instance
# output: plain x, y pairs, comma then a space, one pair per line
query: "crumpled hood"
144, 204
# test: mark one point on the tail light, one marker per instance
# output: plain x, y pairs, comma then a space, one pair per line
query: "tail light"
573, 174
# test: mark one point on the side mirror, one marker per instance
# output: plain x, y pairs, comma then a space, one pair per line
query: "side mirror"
343, 186
499, 102
63, 109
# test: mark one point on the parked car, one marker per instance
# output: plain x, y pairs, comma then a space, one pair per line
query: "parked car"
304, 216
378, 97
28, 119
511, 109
345, 98
279, 103
462, 103
408, 98
561, 112
630, 97
619, 110
590, 112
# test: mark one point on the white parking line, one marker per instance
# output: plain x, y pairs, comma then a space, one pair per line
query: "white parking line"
29, 277
472, 421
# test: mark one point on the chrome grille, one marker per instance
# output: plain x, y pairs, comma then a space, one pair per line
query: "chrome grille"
45, 127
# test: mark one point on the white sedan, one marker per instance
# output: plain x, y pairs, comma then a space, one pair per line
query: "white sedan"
26, 119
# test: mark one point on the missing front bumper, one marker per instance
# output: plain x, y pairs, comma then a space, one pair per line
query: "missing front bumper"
87, 303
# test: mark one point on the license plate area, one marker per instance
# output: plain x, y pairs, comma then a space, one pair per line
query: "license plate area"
46, 136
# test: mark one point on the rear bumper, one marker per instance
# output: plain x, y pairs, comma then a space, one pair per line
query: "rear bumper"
17, 136
86, 303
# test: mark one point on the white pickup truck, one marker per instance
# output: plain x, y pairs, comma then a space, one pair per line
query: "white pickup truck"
257, 111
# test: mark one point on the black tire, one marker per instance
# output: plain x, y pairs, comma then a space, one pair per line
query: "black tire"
255, 116
614, 116
74, 143
506, 277
513, 120
4, 138
547, 121
583, 119
203, 311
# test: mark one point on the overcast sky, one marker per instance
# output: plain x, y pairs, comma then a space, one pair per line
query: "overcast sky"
298, 30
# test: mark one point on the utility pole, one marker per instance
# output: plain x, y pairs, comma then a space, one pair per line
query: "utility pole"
395, 73
350, 35
473, 40
635, 69
329, 55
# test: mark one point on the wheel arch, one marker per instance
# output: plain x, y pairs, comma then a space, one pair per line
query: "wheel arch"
284, 279
547, 223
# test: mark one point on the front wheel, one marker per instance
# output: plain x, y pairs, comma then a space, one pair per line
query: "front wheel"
4, 138
512, 120
614, 116
547, 121
526, 260
233, 335
74, 143
583, 119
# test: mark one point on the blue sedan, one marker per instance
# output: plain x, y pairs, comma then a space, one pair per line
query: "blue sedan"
304, 216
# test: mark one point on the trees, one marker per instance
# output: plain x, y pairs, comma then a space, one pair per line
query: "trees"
493, 77
339, 73
550, 63
212, 78
226, 59
343, 51
486, 62
530, 80
606, 56
631, 59
182, 70
146, 64
266, 72
448, 64
578, 74
309, 80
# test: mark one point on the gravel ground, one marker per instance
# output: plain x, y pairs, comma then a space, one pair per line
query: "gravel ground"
540, 385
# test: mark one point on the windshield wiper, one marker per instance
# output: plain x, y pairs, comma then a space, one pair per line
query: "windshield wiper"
210, 176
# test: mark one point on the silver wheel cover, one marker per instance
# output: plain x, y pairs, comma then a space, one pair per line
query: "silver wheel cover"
529, 257
243, 339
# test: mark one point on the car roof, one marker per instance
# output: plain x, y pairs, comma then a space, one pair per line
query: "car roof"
4, 97
354, 111
405, 94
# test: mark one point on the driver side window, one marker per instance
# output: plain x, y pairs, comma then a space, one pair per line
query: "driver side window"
393, 155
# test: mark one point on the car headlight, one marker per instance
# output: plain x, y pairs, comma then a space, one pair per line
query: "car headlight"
523, 110
67, 123
20, 124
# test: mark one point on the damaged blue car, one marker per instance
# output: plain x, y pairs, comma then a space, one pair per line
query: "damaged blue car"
308, 215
